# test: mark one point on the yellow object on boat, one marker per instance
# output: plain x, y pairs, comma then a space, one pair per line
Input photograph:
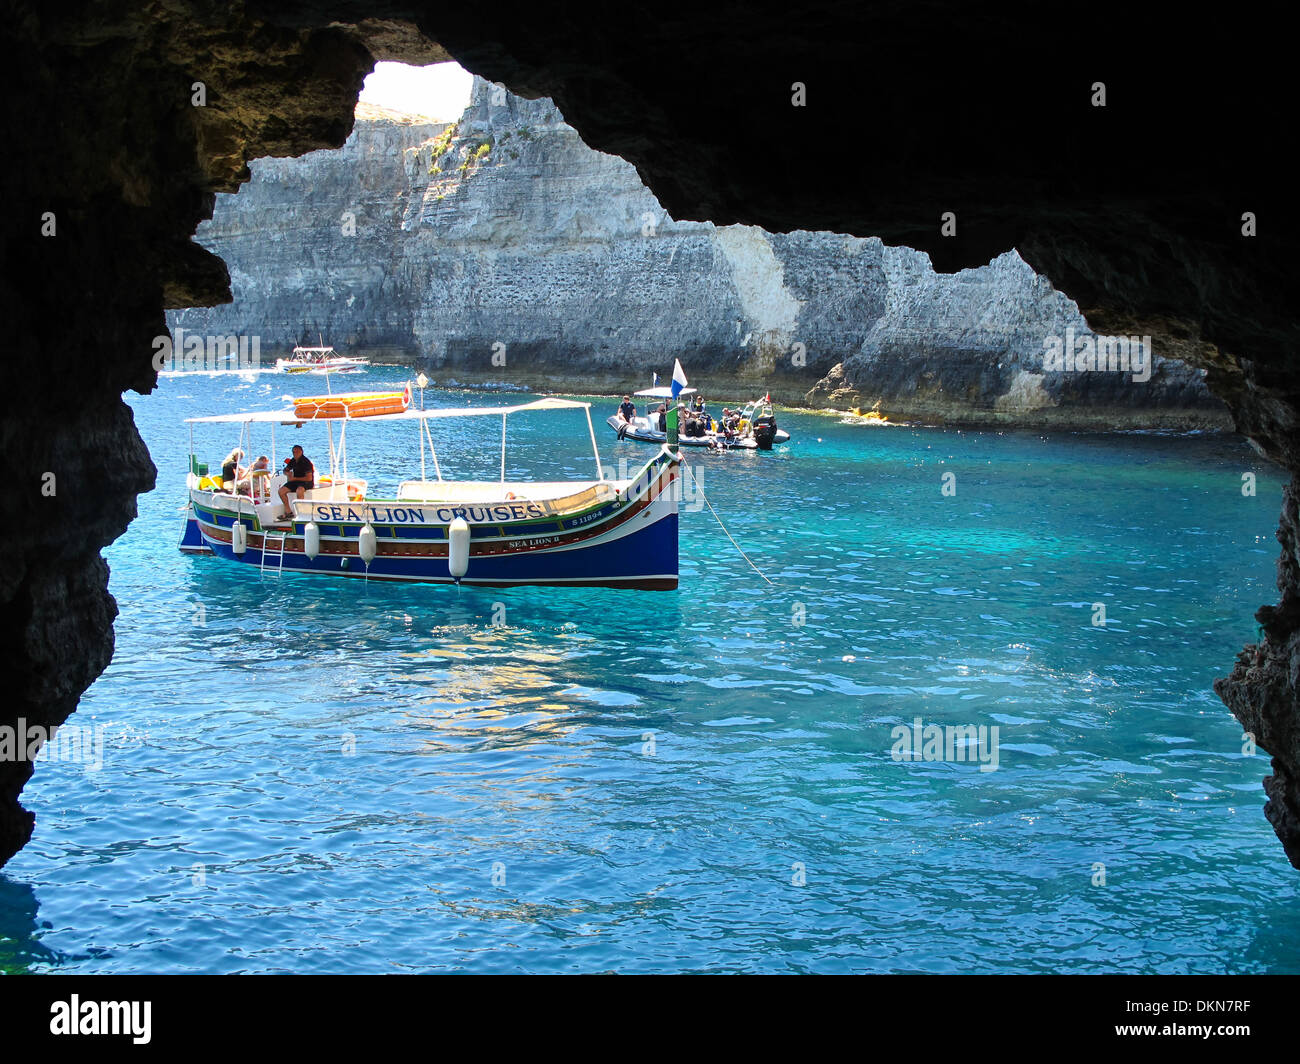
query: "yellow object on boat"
352, 404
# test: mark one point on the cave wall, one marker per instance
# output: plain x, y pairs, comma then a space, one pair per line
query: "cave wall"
1134, 210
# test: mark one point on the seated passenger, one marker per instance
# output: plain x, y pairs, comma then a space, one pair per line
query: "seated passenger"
259, 469
301, 476
231, 470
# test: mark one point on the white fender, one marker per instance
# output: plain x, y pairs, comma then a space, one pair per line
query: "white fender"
458, 547
239, 537
311, 539
367, 543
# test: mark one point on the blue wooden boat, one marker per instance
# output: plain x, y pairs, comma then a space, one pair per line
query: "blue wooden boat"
601, 532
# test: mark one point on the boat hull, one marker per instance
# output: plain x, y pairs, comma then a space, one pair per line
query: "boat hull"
646, 559
340, 365
192, 541
623, 539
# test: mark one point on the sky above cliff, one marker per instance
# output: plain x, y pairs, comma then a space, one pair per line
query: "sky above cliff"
440, 91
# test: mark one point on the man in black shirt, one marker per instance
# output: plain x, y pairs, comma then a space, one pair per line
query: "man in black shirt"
301, 475
626, 412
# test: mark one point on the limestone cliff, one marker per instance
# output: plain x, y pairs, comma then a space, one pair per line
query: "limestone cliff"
504, 235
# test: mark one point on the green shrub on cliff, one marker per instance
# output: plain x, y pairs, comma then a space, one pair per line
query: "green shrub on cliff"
440, 144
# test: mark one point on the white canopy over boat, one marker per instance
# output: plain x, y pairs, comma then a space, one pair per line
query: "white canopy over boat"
338, 465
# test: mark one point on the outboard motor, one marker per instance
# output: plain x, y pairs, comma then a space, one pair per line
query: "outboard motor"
765, 431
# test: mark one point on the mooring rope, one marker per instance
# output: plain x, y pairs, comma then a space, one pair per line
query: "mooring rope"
714, 512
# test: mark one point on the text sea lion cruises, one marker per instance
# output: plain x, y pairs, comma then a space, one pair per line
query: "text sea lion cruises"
602, 532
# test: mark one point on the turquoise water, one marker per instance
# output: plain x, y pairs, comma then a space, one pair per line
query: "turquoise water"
307, 775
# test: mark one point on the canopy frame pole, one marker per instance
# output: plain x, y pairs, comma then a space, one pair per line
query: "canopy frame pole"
245, 445
600, 469
334, 466
433, 451
503, 448
420, 433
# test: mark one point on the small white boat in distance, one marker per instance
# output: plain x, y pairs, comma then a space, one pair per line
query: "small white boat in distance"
319, 360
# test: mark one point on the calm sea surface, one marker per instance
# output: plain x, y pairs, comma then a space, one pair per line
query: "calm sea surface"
305, 775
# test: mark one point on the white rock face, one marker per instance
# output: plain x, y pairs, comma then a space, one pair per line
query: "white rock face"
770, 310
1027, 393
506, 235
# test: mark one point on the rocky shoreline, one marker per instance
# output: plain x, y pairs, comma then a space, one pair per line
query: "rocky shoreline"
840, 399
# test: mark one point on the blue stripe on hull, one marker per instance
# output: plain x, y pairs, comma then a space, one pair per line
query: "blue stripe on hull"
648, 553
192, 541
